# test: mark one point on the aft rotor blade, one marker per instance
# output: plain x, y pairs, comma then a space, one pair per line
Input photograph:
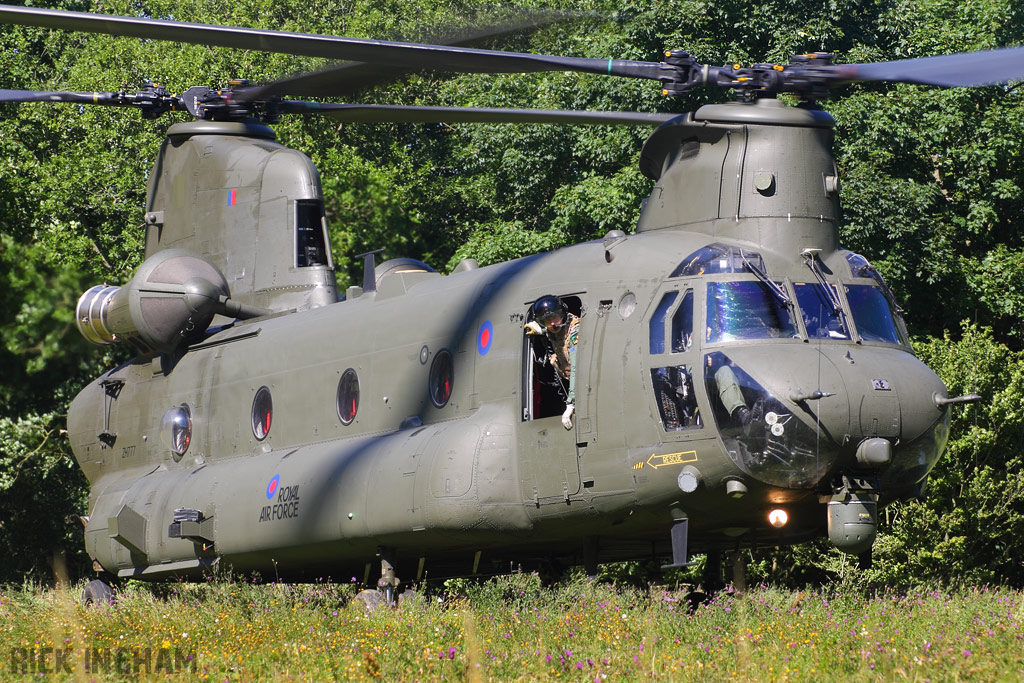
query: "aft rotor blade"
382, 113
420, 56
960, 70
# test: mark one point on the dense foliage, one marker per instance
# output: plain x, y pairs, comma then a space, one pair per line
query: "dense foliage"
932, 190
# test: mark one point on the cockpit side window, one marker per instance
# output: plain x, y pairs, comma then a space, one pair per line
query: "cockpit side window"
656, 327
682, 324
673, 392
746, 309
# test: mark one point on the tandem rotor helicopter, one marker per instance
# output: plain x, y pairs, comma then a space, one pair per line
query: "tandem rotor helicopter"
740, 378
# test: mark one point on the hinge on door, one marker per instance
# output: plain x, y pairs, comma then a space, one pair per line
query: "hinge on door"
111, 388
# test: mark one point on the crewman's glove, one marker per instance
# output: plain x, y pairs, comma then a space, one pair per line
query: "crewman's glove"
567, 416
533, 327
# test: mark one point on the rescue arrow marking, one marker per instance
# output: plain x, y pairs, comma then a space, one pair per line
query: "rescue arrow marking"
657, 461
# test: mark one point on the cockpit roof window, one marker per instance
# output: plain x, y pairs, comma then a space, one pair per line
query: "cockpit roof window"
746, 309
860, 267
717, 258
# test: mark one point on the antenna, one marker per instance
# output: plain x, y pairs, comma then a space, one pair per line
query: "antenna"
369, 270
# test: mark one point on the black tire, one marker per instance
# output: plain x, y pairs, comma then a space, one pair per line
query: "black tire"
97, 592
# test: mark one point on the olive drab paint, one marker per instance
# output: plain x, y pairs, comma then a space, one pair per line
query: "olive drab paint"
443, 449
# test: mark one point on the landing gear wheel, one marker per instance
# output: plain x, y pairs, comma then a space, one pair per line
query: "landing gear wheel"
864, 560
370, 599
97, 592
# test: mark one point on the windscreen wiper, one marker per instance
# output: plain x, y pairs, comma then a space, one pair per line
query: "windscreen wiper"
775, 289
812, 262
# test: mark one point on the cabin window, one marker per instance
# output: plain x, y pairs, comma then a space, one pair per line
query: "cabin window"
310, 234
441, 377
820, 316
871, 314
176, 430
746, 310
262, 413
348, 396
673, 392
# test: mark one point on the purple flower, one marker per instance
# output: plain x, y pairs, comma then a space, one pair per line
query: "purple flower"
451, 653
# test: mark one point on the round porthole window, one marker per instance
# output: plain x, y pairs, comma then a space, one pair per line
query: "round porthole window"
176, 430
348, 396
441, 373
262, 412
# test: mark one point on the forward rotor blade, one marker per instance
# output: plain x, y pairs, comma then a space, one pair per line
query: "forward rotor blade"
420, 56
344, 80
44, 96
383, 113
959, 70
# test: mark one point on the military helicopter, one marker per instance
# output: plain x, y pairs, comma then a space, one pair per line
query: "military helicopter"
741, 379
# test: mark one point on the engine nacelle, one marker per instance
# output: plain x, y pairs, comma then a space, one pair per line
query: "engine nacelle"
172, 297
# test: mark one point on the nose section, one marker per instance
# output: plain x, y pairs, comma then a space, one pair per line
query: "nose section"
782, 411
807, 411
892, 396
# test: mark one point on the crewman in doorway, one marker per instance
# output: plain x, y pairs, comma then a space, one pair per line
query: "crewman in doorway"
552, 318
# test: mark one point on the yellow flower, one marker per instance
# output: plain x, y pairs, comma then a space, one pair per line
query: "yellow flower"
166, 644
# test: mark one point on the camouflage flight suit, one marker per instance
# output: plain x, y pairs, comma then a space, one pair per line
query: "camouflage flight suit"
563, 360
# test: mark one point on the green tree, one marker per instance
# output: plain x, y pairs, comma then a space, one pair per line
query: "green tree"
932, 191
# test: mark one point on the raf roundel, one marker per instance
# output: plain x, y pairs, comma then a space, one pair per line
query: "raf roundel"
484, 337
272, 486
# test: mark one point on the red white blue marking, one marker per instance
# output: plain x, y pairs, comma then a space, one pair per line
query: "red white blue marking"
272, 486
484, 337
232, 197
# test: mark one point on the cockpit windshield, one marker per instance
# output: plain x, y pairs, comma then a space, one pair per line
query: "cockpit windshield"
875, 311
871, 314
821, 318
746, 309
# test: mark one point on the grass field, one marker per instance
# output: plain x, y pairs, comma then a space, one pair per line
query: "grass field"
510, 629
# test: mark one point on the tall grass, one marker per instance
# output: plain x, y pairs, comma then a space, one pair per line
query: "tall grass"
510, 629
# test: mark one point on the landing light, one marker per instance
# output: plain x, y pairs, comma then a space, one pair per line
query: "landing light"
778, 518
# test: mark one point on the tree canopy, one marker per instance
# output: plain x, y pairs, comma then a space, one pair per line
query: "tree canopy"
931, 188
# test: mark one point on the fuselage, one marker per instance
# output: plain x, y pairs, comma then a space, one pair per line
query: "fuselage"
484, 471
